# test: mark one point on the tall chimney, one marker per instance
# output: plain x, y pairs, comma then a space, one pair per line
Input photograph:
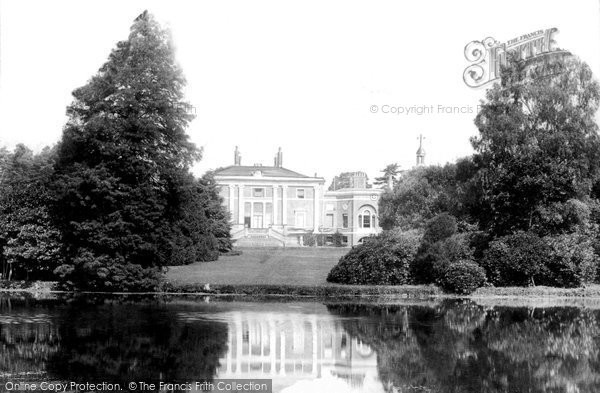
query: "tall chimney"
279, 158
237, 157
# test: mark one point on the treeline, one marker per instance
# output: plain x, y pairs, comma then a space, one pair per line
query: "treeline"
115, 201
524, 209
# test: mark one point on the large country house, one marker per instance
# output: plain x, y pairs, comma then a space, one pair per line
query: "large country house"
275, 206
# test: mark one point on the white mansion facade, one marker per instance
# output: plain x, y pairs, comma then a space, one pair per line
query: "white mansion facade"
274, 206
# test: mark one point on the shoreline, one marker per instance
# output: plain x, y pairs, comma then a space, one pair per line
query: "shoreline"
328, 291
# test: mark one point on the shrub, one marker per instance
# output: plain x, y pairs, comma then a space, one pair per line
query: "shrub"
432, 259
309, 239
462, 277
440, 227
107, 273
380, 260
572, 261
338, 239
515, 259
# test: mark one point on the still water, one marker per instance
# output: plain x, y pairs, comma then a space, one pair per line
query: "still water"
445, 346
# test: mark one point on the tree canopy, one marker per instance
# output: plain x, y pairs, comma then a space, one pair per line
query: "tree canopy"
538, 141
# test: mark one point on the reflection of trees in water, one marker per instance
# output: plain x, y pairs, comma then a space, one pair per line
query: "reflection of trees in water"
387, 330
28, 338
462, 347
136, 343
113, 342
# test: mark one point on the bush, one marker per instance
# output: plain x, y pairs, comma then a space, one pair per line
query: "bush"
309, 239
338, 239
439, 228
432, 259
106, 273
380, 260
516, 259
572, 261
462, 277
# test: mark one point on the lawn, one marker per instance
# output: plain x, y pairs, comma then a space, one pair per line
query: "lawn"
262, 266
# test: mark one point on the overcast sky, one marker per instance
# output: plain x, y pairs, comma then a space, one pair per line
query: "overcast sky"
302, 75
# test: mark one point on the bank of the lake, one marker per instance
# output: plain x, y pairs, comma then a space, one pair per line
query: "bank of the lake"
302, 273
333, 291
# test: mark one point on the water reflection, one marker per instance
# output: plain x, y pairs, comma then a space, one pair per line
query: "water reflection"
292, 347
449, 347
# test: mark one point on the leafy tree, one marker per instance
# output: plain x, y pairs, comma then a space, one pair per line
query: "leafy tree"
516, 259
439, 228
538, 142
423, 192
392, 170
29, 243
122, 182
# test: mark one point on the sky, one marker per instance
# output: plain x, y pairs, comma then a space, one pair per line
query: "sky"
300, 75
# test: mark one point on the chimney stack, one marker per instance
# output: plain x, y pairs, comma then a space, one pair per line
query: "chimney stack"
279, 159
237, 157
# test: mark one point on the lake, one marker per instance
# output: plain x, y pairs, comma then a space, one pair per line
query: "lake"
429, 346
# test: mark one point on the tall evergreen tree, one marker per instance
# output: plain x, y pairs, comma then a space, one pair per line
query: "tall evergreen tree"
122, 175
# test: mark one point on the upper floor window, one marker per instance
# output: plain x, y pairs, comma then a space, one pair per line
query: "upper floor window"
366, 219
258, 192
329, 221
300, 193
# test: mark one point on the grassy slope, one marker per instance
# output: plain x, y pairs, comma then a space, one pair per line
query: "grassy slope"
279, 266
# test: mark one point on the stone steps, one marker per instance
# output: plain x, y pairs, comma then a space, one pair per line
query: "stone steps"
258, 241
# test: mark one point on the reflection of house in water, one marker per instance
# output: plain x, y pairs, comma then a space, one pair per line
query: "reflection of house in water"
293, 347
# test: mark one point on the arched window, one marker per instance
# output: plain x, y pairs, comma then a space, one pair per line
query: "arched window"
366, 218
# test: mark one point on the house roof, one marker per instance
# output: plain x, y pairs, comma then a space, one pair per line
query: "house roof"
266, 171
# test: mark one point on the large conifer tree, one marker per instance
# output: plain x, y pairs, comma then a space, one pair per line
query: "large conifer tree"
122, 173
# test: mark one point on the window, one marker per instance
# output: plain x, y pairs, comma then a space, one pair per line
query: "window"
258, 192
345, 240
300, 193
247, 214
329, 221
366, 219
344, 221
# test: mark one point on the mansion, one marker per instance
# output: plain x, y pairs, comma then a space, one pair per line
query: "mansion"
275, 206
